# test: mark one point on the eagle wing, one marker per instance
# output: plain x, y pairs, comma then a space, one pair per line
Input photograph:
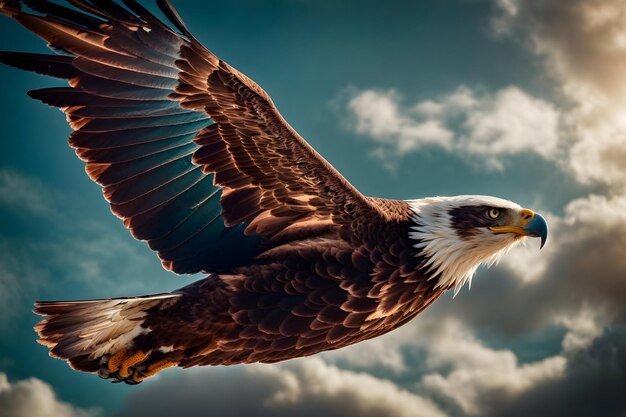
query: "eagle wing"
192, 155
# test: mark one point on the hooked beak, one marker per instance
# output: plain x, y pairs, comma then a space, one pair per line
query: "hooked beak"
529, 224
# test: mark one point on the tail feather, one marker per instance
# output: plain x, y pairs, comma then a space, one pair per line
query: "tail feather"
82, 332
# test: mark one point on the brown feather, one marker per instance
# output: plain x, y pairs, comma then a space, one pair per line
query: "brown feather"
165, 126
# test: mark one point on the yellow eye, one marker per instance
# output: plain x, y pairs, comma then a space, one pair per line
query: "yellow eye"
494, 213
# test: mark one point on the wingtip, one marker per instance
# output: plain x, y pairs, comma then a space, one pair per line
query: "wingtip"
37, 309
10, 7
37, 95
40, 310
7, 57
170, 12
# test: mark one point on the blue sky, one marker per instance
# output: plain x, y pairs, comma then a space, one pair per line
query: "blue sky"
521, 100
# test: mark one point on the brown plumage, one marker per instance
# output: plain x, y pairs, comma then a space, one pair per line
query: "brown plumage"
196, 160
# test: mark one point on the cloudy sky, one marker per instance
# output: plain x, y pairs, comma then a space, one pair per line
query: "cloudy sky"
524, 100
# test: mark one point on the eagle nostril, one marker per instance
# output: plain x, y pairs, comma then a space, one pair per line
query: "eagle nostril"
527, 214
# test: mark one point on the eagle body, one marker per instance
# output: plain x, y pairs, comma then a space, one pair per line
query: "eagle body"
196, 161
298, 299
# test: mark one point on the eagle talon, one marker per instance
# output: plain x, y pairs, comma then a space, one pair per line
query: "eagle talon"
141, 368
134, 379
122, 366
115, 361
104, 373
129, 381
128, 365
131, 367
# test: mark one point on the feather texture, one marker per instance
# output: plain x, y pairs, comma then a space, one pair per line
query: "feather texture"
197, 161
148, 105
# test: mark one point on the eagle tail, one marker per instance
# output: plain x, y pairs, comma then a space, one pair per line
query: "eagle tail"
86, 333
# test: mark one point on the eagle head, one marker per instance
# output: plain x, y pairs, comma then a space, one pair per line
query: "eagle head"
455, 235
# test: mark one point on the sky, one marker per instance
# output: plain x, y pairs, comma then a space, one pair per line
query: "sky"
524, 100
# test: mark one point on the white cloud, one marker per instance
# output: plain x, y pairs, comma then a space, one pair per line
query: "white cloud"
527, 262
596, 211
488, 126
583, 44
477, 373
378, 353
379, 115
512, 122
305, 387
22, 193
462, 372
33, 397
18, 277
314, 380
583, 328
600, 158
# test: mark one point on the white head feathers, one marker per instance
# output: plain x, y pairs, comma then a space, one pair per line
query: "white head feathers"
450, 257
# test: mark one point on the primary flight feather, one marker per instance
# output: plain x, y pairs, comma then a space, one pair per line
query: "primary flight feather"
197, 161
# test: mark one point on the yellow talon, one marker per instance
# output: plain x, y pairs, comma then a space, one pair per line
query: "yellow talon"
132, 360
158, 367
137, 378
116, 360
121, 366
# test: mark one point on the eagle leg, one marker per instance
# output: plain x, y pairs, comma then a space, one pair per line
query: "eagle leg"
152, 369
113, 363
127, 367
131, 367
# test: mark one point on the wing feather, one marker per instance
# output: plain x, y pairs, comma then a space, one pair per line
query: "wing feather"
191, 154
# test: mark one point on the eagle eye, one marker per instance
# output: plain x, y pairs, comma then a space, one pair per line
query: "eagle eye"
494, 213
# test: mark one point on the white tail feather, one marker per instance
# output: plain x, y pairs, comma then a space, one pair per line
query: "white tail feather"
81, 332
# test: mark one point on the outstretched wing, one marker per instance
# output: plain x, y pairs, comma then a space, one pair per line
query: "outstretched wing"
191, 154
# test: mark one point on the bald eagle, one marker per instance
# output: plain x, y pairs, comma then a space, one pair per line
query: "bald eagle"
196, 160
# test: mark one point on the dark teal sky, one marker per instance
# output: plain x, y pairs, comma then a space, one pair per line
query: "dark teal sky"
311, 57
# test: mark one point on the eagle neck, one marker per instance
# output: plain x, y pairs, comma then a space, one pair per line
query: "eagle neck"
445, 255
